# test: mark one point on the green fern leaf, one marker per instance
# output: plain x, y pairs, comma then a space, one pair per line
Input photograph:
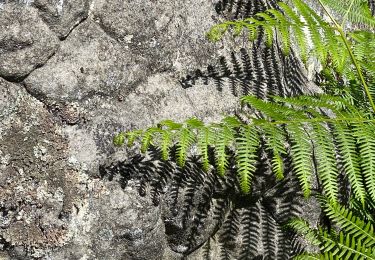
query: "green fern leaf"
205, 139
147, 138
275, 142
166, 143
119, 139
131, 136
344, 247
224, 138
326, 158
313, 27
247, 144
185, 140
365, 135
216, 32
301, 151
346, 144
359, 12
302, 227
350, 224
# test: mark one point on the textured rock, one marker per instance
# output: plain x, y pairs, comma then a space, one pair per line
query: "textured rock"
115, 224
25, 41
88, 63
168, 34
47, 201
160, 97
61, 16
123, 47
37, 186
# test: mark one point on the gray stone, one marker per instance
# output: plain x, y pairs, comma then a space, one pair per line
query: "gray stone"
88, 63
37, 188
159, 97
115, 224
168, 34
61, 16
25, 41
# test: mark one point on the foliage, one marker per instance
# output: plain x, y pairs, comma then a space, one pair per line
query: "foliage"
193, 201
322, 135
305, 127
353, 237
313, 35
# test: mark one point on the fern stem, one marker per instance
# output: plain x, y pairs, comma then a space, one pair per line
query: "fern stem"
347, 13
314, 120
347, 45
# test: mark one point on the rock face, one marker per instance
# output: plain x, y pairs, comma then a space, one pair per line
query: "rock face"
38, 188
61, 16
72, 74
25, 41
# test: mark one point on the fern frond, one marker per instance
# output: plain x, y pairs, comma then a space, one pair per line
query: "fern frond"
365, 136
205, 139
166, 143
275, 142
301, 151
247, 144
290, 127
185, 140
344, 246
357, 11
326, 158
224, 138
346, 144
273, 110
119, 139
147, 138
314, 24
302, 227
298, 29
312, 33
350, 224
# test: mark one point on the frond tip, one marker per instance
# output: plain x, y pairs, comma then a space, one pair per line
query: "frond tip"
119, 139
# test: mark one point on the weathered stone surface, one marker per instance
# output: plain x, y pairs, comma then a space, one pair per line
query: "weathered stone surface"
115, 224
47, 200
124, 48
37, 186
25, 41
88, 63
61, 16
168, 34
160, 97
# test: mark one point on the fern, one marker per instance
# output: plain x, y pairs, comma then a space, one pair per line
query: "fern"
329, 44
301, 151
355, 238
322, 133
297, 127
349, 223
247, 144
356, 11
